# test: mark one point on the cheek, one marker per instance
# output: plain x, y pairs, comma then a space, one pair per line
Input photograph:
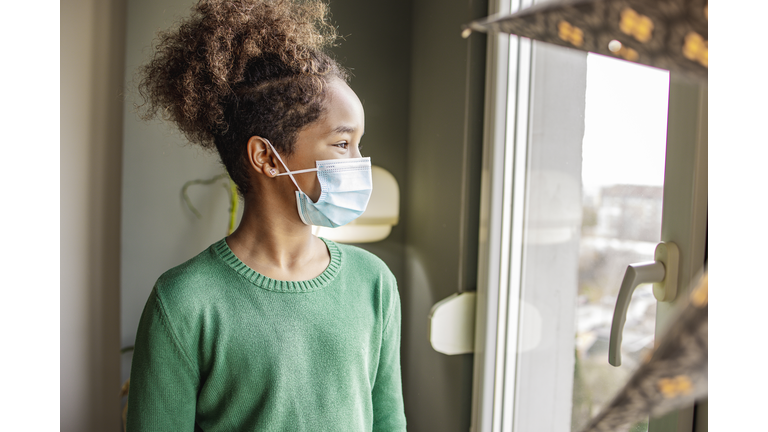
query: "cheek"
311, 186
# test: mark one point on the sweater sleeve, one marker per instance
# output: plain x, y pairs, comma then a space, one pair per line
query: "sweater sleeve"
388, 409
164, 384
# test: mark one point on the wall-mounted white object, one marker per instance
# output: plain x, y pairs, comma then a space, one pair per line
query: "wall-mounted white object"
382, 213
662, 273
452, 324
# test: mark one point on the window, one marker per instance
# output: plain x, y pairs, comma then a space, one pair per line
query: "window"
574, 183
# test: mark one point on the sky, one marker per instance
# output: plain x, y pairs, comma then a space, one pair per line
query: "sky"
625, 123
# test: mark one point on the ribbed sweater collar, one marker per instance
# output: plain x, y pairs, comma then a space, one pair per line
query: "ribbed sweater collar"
323, 279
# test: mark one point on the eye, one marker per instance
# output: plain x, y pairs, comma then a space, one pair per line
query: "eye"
342, 145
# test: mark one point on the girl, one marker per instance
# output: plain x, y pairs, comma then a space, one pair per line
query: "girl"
270, 328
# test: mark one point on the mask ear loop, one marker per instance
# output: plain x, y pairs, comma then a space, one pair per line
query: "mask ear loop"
288, 172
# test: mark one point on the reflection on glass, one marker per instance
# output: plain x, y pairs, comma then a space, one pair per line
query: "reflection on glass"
622, 180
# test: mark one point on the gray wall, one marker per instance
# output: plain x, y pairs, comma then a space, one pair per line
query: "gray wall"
92, 41
158, 230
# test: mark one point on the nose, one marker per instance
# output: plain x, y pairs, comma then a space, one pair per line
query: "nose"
356, 152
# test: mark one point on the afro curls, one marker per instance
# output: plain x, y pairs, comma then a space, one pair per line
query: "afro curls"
241, 68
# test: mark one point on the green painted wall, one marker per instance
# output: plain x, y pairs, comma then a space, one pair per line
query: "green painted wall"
441, 213
376, 49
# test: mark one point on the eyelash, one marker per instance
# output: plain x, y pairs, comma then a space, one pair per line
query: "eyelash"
345, 144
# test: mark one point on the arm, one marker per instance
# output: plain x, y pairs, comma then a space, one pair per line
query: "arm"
164, 382
388, 411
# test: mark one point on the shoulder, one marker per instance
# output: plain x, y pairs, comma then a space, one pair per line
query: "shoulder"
361, 268
193, 281
366, 269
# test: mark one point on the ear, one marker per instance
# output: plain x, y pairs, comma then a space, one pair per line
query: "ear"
261, 157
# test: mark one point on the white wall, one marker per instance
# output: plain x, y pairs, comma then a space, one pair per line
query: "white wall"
92, 41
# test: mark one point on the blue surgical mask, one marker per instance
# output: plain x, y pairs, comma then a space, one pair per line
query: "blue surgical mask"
345, 186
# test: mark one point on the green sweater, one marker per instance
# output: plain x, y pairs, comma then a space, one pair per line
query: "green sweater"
221, 347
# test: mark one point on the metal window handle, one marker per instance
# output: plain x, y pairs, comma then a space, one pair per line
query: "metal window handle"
662, 273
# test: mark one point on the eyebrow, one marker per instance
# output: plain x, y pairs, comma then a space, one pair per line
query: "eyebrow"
343, 129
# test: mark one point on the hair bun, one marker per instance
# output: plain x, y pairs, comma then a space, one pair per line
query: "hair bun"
199, 64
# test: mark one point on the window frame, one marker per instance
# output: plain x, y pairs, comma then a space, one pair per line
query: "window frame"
508, 76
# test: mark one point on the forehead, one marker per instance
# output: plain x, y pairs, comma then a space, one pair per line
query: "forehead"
343, 110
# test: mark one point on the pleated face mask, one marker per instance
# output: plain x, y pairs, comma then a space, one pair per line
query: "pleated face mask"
345, 186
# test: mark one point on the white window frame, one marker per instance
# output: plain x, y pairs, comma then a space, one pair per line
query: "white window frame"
508, 77
505, 74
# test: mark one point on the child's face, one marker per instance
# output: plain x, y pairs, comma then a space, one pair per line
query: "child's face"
335, 135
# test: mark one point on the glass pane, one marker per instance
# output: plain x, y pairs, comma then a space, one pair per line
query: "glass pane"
622, 178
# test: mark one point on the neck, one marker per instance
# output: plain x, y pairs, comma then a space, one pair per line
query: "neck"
272, 240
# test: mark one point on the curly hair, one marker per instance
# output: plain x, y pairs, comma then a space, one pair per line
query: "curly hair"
241, 68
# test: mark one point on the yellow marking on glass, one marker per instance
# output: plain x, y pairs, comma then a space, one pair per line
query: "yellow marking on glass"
636, 25
677, 386
696, 48
620, 50
570, 33
629, 54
